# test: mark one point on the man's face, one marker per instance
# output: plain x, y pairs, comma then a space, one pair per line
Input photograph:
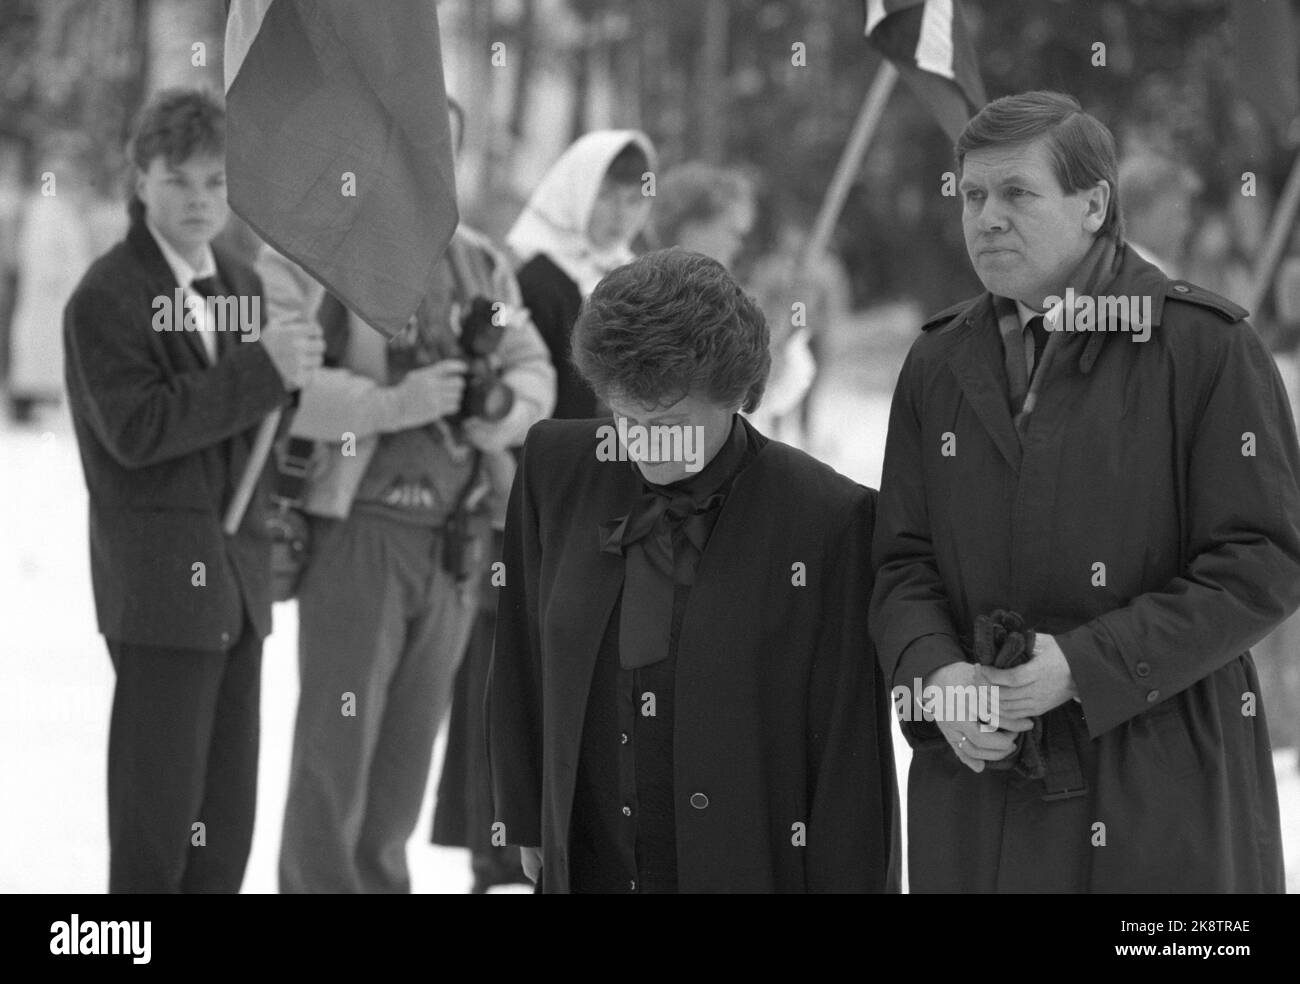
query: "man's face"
1024, 233
722, 236
186, 202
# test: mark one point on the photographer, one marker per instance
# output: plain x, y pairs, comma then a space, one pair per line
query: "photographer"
403, 492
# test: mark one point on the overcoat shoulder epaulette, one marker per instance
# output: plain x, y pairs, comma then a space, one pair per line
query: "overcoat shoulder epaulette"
1181, 290
948, 315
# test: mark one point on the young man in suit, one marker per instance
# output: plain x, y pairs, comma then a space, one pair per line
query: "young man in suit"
164, 419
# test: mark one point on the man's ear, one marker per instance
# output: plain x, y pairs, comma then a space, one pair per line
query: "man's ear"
1097, 200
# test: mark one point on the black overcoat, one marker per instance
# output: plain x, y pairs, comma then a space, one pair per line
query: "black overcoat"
781, 717
1150, 520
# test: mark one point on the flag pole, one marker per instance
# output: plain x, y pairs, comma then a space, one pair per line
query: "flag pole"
850, 164
252, 469
1276, 240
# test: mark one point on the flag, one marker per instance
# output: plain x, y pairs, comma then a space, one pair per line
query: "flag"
930, 45
338, 149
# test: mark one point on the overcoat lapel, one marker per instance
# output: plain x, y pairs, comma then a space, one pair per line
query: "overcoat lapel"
976, 361
599, 578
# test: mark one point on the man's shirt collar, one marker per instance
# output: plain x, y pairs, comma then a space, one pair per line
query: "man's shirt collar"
181, 269
1025, 312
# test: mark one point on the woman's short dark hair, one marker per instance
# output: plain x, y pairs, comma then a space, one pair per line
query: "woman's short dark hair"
669, 323
1081, 148
176, 125
629, 165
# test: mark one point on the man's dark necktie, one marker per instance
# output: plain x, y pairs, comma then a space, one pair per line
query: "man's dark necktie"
1039, 331
207, 288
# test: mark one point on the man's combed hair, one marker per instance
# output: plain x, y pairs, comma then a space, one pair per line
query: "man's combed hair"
670, 323
176, 125
1081, 148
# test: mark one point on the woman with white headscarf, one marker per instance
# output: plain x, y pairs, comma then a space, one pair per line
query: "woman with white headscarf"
577, 226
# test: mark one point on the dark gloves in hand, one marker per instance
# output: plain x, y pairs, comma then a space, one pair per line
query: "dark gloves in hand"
1002, 640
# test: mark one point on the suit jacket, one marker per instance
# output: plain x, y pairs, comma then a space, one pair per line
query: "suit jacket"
164, 436
781, 714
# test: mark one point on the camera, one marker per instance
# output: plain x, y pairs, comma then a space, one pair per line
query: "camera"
486, 396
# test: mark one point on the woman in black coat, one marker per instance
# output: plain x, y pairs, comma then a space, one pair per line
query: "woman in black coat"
683, 695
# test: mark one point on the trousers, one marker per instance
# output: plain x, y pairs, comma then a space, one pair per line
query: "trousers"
182, 766
382, 629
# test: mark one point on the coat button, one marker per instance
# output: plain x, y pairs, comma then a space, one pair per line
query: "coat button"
1153, 696
627, 811
1142, 669
622, 738
632, 885
225, 638
699, 801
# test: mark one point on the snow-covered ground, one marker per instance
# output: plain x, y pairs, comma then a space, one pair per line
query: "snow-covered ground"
56, 680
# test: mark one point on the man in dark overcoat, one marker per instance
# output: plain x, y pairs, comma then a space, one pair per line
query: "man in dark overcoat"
1131, 488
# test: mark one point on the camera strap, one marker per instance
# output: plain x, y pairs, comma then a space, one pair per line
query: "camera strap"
292, 464
293, 456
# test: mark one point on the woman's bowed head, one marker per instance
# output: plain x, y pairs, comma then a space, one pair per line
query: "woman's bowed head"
675, 347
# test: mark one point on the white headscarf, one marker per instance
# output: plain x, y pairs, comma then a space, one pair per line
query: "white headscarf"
554, 221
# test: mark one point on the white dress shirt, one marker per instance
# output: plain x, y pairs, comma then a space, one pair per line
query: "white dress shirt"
185, 275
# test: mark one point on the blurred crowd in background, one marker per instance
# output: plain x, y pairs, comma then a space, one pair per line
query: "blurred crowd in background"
747, 132
715, 82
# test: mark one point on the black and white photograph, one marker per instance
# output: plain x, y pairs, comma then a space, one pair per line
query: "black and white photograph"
651, 447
